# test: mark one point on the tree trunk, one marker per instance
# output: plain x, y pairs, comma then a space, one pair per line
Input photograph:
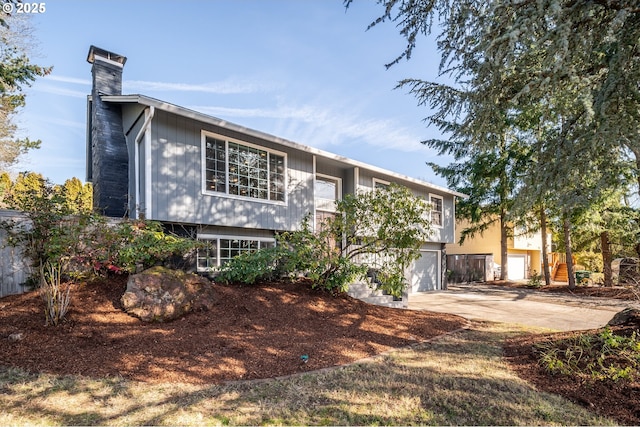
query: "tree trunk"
606, 258
636, 154
567, 242
504, 273
545, 250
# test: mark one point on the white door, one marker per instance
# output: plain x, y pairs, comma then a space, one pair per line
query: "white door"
516, 267
425, 272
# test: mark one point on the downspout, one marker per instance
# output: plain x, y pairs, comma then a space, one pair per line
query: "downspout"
313, 190
149, 113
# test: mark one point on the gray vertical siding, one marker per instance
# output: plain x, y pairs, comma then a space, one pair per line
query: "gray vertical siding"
444, 234
177, 181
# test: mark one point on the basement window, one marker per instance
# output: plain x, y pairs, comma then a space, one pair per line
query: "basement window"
220, 249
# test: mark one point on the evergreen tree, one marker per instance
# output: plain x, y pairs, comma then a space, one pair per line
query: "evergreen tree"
78, 197
5, 190
560, 75
27, 188
16, 71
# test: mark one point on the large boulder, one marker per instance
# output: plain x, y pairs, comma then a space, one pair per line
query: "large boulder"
627, 317
160, 294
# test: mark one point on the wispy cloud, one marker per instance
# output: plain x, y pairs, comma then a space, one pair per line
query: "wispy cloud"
58, 90
317, 125
65, 79
222, 87
322, 126
229, 86
304, 113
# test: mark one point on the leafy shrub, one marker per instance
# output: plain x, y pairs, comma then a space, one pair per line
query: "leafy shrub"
251, 267
316, 257
591, 261
298, 253
600, 356
381, 230
51, 234
88, 243
126, 245
535, 281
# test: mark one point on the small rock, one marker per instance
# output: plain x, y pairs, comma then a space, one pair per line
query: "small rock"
18, 336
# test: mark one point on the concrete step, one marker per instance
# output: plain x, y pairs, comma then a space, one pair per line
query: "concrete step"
363, 292
386, 301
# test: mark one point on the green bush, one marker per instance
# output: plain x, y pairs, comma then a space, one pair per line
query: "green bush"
591, 261
85, 244
593, 356
380, 230
129, 244
298, 253
251, 267
535, 281
316, 257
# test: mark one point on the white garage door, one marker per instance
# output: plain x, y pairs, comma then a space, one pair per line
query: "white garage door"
516, 267
424, 272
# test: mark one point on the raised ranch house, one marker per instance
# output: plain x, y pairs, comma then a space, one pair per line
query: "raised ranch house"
231, 186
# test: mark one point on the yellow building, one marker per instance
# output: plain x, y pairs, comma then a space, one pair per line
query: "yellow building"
524, 254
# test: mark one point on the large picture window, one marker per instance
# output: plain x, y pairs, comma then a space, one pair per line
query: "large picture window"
242, 170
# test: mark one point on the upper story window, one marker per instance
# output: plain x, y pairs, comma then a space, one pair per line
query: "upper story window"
437, 212
243, 170
378, 183
327, 192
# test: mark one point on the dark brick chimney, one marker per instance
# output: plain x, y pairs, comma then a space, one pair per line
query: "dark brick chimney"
107, 155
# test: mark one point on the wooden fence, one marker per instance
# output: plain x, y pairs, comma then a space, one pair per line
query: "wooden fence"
15, 268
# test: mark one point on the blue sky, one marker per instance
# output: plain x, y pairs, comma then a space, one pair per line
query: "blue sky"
307, 71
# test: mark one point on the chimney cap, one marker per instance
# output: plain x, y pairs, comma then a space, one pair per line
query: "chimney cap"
105, 54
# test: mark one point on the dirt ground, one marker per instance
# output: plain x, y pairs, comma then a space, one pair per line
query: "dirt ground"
252, 332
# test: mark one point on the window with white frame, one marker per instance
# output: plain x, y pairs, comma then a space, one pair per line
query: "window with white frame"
437, 212
243, 170
327, 192
378, 183
219, 250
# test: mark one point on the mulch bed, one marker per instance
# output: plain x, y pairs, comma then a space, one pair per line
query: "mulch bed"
260, 332
618, 400
252, 332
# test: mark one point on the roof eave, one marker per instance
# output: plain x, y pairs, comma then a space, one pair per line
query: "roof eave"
192, 114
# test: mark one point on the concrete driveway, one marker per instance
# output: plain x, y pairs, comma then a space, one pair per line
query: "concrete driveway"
520, 306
